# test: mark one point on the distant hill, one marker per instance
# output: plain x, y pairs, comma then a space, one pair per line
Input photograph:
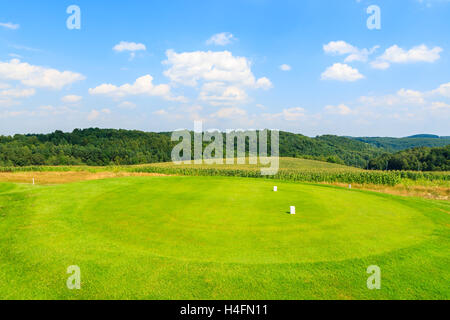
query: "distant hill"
328, 148
424, 136
123, 147
416, 159
398, 144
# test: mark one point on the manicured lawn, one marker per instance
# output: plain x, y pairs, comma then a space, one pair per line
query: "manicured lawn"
219, 238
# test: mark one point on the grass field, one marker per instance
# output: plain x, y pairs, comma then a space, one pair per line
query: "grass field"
177, 237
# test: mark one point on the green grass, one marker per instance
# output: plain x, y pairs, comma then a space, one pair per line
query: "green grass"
219, 238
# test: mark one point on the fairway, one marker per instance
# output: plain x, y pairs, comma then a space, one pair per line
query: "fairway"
218, 238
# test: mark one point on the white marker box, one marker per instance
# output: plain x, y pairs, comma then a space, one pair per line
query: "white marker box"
275, 189
292, 210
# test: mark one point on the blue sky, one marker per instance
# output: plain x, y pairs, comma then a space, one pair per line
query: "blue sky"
311, 67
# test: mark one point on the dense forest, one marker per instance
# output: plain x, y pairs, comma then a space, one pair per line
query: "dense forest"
124, 147
417, 159
398, 144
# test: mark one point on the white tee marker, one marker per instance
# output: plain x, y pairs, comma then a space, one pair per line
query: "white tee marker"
275, 189
292, 210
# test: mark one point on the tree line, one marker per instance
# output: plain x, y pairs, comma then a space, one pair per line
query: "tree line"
100, 147
416, 159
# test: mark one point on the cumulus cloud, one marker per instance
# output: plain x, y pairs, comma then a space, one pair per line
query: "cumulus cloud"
219, 93
285, 67
189, 68
142, 86
223, 76
341, 72
229, 113
95, 114
129, 46
353, 53
220, 39
37, 76
9, 25
341, 109
71, 98
395, 54
379, 64
411, 96
443, 90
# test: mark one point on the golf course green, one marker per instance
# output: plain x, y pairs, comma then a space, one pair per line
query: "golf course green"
174, 237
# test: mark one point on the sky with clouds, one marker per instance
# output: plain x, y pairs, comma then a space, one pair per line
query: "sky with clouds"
311, 67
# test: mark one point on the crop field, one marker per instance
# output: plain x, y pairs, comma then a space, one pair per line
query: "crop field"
291, 169
144, 236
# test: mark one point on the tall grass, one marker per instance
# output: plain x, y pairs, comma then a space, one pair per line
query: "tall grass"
291, 170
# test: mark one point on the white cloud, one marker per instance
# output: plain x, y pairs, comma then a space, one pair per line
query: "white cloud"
189, 68
18, 93
352, 52
142, 86
71, 98
9, 25
129, 46
285, 67
443, 90
264, 83
95, 114
395, 54
223, 77
220, 39
402, 97
341, 72
293, 114
379, 64
37, 76
229, 113
217, 93
341, 109
290, 114
411, 96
